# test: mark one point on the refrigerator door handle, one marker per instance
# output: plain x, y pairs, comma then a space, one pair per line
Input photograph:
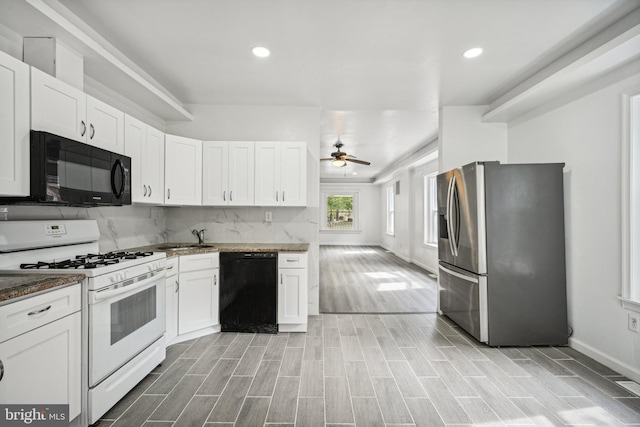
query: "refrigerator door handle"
453, 217
458, 275
449, 218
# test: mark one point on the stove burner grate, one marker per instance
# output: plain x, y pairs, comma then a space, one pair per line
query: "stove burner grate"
87, 261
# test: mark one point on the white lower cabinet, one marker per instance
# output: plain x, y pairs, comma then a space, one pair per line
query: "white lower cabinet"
292, 292
198, 293
171, 300
42, 365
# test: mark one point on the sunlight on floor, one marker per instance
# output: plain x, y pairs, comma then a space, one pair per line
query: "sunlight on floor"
381, 275
362, 251
398, 286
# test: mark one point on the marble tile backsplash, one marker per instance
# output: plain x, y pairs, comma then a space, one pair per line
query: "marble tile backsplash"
121, 227
132, 226
248, 225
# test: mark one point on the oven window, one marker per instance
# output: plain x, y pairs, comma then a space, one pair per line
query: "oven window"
131, 313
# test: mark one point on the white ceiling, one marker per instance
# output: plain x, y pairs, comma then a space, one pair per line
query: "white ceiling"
378, 69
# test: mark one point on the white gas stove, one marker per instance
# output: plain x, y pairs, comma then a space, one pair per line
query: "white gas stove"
123, 301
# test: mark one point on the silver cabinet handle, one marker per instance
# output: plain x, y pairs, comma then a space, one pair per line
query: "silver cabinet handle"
293, 260
1, 370
281, 282
33, 313
168, 193
149, 191
93, 131
283, 195
231, 196
83, 127
177, 286
224, 196
215, 279
276, 196
145, 190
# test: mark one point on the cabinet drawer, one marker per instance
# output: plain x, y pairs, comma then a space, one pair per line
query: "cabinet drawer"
27, 314
292, 260
173, 265
199, 262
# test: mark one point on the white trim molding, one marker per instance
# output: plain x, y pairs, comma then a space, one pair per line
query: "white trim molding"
630, 201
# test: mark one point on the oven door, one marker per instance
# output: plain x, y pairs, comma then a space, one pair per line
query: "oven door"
124, 319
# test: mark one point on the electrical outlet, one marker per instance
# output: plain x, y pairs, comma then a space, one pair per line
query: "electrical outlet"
267, 217
633, 323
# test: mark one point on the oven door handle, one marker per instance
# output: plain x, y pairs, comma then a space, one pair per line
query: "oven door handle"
116, 290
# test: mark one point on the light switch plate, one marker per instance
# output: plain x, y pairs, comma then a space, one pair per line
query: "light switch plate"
267, 217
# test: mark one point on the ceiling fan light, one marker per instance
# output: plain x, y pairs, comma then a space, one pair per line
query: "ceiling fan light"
339, 163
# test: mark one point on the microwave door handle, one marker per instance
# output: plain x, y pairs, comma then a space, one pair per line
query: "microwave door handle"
112, 292
117, 166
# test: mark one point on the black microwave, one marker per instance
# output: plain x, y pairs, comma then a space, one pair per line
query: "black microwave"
68, 172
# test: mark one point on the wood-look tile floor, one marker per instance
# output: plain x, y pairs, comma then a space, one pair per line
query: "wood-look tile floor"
373, 370
367, 279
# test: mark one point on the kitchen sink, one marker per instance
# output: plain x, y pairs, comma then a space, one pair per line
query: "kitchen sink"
183, 246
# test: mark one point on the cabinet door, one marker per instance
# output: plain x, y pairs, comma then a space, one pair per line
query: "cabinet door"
241, 173
135, 135
293, 178
14, 126
57, 107
172, 308
153, 166
106, 126
267, 174
215, 172
183, 171
292, 295
197, 300
43, 366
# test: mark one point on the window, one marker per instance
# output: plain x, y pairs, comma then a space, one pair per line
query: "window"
430, 210
630, 294
340, 211
390, 211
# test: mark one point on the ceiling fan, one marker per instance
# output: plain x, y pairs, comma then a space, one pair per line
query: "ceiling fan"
339, 158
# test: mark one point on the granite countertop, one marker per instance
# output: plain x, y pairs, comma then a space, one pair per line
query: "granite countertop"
191, 248
16, 285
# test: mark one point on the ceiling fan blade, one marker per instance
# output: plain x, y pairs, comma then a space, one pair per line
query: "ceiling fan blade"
328, 158
349, 156
361, 162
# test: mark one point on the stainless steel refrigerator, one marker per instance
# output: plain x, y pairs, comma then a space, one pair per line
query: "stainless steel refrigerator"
501, 250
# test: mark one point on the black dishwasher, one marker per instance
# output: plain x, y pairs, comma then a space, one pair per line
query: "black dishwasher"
249, 292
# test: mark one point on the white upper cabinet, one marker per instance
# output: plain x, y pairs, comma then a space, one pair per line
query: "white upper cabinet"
14, 126
105, 126
281, 174
153, 166
228, 173
183, 171
57, 107
61, 109
145, 146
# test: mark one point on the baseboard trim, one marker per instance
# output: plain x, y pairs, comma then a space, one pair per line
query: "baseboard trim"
424, 267
409, 260
349, 244
629, 371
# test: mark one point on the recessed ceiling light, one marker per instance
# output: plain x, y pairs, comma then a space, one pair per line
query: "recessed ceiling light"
354, 173
472, 53
261, 51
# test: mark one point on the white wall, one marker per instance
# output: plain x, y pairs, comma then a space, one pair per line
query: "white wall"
368, 216
243, 225
407, 242
463, 138
586, 135
426, 256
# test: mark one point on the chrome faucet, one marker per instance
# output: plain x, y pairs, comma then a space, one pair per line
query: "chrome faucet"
200, 235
